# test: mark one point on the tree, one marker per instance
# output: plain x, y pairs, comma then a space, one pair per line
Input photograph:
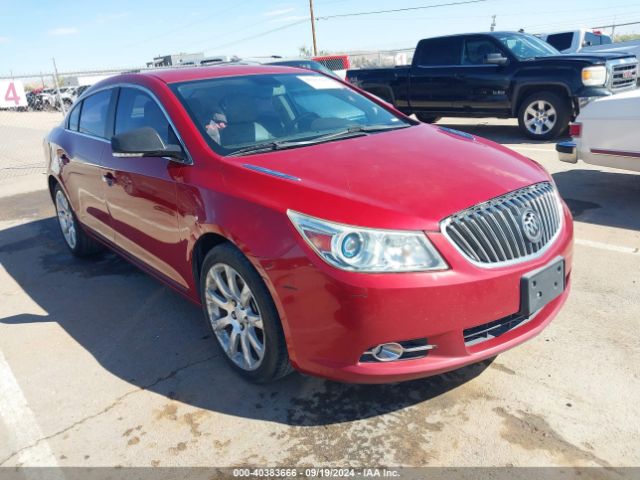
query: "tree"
305, 52
626, 37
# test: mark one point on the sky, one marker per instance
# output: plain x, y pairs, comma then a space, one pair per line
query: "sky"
87, 34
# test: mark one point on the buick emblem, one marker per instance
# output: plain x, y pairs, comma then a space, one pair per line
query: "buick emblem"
531, 225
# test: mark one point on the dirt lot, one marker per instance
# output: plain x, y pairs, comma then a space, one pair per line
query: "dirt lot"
100, 365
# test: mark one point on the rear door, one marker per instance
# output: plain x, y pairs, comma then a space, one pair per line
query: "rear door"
434, 84
82, 157
142, 191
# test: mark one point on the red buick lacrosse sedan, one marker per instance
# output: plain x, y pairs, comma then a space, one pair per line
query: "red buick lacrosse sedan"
318, 228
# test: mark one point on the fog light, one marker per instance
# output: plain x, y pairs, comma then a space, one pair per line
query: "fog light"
387, 352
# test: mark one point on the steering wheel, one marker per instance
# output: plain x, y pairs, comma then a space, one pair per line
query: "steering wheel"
304, 121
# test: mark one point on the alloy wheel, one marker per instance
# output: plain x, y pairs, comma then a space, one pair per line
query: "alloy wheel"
66, 220
540, 117
235, 316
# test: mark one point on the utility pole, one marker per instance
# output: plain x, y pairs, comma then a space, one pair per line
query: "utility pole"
313, 28
493, 23
55, 80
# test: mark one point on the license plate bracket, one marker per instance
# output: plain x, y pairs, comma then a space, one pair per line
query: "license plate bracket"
541, 286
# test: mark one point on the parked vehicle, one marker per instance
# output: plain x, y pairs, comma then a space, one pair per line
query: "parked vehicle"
586, 41
574, 41
48, 98
34, 101
499, 74
338, 64
318, 227
303, 63
606, 133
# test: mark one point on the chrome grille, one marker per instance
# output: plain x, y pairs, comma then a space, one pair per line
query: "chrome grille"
492, 233
623, 76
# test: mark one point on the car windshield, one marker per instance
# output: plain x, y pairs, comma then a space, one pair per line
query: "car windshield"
237, 113
526, 47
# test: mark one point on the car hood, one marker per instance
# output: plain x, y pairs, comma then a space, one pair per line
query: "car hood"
410, 178
585, 57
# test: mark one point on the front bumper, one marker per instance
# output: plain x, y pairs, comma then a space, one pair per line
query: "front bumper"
567, 152
331, 317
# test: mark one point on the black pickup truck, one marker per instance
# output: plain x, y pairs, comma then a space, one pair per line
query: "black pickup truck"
499, 74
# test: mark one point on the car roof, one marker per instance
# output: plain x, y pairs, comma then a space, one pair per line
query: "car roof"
175, 75
492, 34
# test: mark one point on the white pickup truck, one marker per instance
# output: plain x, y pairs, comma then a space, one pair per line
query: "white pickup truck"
587, 41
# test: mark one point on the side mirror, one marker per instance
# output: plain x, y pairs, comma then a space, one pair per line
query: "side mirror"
144, 142
496, 59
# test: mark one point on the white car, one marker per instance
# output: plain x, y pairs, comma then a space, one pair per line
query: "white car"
606, 133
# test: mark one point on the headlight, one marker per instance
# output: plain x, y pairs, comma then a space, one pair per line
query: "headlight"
366, 249
594, 76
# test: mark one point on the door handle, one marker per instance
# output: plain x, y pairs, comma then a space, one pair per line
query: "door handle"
109, 179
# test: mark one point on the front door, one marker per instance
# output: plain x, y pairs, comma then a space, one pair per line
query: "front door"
142, 191
480, 86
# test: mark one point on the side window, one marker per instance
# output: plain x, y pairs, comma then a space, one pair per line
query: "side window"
93, 117
440, 51
561, 41
590, 39
476, 50
136, 109
74, 117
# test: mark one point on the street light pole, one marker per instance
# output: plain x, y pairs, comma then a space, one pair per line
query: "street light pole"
313, 28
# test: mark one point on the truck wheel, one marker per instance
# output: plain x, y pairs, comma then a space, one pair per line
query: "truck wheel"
544, 115
423, 117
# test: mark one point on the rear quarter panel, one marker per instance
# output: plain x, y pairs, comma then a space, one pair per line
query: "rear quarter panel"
611, 125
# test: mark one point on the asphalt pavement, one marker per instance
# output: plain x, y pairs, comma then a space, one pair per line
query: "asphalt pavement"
101, 365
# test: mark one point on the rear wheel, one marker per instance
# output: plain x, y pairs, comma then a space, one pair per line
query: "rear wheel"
76, 239
240, 311
544, 115
423, 117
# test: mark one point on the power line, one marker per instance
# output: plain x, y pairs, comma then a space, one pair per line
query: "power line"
375, 12
582, 21
187, 25
258, 35
618, 25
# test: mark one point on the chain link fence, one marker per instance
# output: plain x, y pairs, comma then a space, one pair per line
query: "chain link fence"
380, 58
30, 106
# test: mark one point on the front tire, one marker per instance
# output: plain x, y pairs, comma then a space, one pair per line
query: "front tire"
242, 315
79, 243
426, 118
544, 115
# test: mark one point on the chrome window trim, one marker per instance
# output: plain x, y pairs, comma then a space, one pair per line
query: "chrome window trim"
268, 171
189, 159
526, 258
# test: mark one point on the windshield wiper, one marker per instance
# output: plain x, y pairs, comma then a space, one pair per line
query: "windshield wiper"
354, 131
349, 132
